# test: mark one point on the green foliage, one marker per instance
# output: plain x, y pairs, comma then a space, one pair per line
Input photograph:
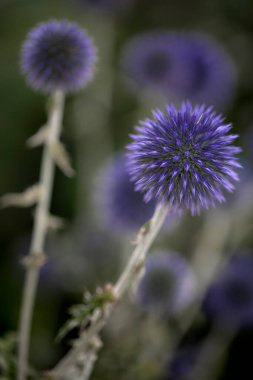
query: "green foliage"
8, 359
7, 356
81, 313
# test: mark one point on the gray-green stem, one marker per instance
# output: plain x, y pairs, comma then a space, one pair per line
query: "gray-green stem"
129, 275
35, 257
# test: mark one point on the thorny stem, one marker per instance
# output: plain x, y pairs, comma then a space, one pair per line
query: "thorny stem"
39, 233
130, 274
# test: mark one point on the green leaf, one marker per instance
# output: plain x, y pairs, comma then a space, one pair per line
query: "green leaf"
80, 313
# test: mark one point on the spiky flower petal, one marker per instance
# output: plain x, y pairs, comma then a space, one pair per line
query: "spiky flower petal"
184, 157
58, 55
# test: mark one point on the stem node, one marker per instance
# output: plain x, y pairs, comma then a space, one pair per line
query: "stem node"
36, 257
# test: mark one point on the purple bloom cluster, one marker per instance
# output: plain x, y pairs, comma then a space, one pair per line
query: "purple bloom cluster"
184, 157
120, 205
167, 286
58, 55
181, 66
229, 300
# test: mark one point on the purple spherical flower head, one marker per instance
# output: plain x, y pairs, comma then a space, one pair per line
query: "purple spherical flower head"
181, 66
121, 206
184, 157
58, 55
168, 285
213, 80
153, 61
229, 299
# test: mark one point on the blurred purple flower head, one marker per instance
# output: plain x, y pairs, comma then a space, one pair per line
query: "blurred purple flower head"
229, 299
214, 76
153, 62
168, 285
182, 364
58, 55
109, 5
181, 66
184, 157
85, 255
100, 253
122, 207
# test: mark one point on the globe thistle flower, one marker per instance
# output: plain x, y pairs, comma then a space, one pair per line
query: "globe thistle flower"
120, 205
214, 77
184, 157
168, 285
229, 299
153, 61
58, 55
181, 66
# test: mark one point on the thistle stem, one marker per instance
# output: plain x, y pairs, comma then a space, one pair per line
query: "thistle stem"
35, 258
146, 236
130, 274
